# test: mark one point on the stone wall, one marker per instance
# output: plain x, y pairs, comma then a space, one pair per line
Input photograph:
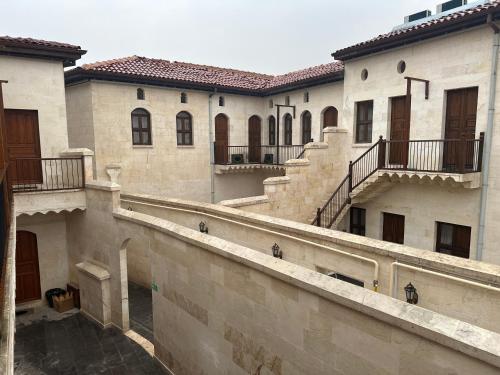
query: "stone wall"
307, 183
222, 308
361, 258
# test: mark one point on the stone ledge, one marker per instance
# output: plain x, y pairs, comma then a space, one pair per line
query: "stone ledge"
103, 185
332, 129
297, 163
316, 146
76, 152
93, 271
277, 180
470, 269
248, 201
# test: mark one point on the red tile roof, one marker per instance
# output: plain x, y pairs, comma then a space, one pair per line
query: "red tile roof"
420, 31
30, 42
29, 47
209, 76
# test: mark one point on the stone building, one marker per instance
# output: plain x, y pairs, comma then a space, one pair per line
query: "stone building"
249, 286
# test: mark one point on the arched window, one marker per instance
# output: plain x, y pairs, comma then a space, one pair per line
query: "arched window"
184, 129
184, 97
272, 130
287, 120
141, 127
140, 94
330, 117
306, 127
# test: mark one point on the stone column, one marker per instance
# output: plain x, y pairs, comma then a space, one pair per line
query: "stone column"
88, 156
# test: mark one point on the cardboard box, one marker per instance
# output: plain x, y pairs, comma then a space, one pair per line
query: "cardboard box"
64, 302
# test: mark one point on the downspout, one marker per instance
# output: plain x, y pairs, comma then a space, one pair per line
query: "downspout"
489, 136
211, 146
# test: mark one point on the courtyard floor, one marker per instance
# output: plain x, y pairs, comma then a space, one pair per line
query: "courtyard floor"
72, 344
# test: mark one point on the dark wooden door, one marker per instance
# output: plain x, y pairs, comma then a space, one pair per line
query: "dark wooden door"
306, 127
400, 131
23, 141
27, 270
221, 139
394, 228
254, 140
461, 114
288, 132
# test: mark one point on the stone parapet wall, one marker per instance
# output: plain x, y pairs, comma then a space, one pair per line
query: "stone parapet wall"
472, 293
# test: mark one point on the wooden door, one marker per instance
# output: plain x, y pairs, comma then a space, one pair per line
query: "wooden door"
23, 141
400, 131
221, 139
461, 114
288, 132
254, 140
27, 270
394, 228
306, 127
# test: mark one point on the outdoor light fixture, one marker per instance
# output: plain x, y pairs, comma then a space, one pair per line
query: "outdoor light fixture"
277, 253
411, 294
203, 227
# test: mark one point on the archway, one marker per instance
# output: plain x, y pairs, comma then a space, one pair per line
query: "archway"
254, 142
330, 118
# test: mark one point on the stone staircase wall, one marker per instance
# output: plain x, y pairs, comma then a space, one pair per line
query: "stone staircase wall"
307, 183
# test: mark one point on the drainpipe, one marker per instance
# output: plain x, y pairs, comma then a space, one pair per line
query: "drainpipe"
489, 136
211, 146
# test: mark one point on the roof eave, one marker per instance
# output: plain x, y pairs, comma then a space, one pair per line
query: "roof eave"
80, 75
67, 56
413, 37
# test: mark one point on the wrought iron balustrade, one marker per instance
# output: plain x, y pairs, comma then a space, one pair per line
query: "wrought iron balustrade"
263, 154
440, 156
45, 174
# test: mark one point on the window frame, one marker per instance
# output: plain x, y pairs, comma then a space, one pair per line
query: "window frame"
183, 115
184, 98
360, 228
271, 126
140, 114
306, 97
222, 101
364, 107
141, 95
452, 249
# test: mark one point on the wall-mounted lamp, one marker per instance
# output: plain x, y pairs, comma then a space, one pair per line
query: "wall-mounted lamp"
411, 294
277, 253
203, 227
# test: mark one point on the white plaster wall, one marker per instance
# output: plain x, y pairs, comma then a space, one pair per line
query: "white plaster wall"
79, 112
50, 230
37, 84
430, 204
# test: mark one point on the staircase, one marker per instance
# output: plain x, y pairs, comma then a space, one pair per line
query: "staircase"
450, 156
359, 171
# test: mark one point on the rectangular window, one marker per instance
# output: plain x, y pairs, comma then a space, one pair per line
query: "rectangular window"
453, 240
364, 121
222, 101
287, 100
271, 103
358, 221
306, 97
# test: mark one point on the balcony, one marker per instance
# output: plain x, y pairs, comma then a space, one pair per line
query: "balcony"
241, 158
45, 185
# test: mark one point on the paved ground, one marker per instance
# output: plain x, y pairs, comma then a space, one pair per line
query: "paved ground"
141, 310
76, 346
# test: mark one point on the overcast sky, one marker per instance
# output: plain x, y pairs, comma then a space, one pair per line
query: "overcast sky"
266, 36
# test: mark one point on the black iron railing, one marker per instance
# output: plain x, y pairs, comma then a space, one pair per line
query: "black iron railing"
442, 155
46, 174
264, 154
